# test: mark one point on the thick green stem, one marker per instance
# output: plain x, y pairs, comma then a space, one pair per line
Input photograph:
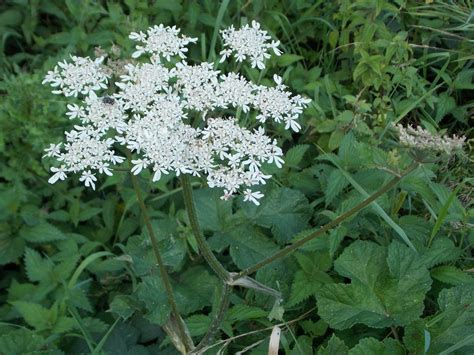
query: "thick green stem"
185, 338
218, 318
290, 248
206, 251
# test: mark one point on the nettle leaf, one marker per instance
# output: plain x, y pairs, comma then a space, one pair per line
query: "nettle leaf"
372, 346
295, 154
37, 267
285, 211
11, 246
455, 322
243, 312
336, 182
43, 232
388, 286
335, 347
36, 315
21, 341
198, 324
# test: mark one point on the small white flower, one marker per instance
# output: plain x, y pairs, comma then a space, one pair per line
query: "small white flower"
59, 174
138, 166
248, 42
253, 196
88, 179
54, 150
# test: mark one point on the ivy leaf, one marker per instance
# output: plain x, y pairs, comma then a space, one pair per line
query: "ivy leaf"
388, 286
43, 232
285, 211
372, 346
335, 347
453, 325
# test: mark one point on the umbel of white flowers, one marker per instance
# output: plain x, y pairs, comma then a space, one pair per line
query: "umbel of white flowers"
179, 118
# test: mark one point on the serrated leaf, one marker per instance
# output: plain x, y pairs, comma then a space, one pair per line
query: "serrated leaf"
414, 337
43, 232
198, 324
295, 154
243, 312
372, 346
212, 212
451, 275
388, 286
284, 210
11, 247
194, 290
336, 183
455, 321
335, 346
151, 292
122, 306
441, 251
248, 246
37, 268
36, 315
287, 59
21, 342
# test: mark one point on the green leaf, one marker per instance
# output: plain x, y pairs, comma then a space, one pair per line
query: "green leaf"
248, 245
372, 346
284, 210
151, 292
295, 154
43, 232
11, 247
451, 275
36, 315
335, 347
21, 342
287, 59
414, 337
387, 288
336, 183
212, 212
195, 290
37, 268
123, 306
198, 324
241, 312
453, 325
441, 251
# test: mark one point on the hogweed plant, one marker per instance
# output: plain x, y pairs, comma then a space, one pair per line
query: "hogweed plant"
161, 113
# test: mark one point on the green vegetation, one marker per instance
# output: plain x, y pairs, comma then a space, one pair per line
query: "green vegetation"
78, 271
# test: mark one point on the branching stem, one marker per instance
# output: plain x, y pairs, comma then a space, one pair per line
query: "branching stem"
290, 248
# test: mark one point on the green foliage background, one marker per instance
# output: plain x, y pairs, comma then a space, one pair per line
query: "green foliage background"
77, 270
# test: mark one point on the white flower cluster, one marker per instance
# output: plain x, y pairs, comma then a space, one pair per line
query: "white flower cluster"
82, 76
420, 138
172, 118
248, 42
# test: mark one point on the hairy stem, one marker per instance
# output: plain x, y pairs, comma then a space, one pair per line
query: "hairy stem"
290, 248
185, 338
218, 319
206, 251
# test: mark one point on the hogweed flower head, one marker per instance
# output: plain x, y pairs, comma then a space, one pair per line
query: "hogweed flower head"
249, 42
173, 116
421, 139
